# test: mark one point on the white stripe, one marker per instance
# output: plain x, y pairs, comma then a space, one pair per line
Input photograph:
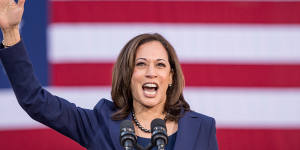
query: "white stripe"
231, 107
193, 42
246, 107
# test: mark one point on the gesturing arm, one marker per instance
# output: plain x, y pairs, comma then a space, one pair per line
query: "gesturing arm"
53, 111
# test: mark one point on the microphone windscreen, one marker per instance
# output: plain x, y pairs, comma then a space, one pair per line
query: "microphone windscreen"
158, 123
126, 124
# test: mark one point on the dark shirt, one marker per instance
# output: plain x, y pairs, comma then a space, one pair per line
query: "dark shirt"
170, 146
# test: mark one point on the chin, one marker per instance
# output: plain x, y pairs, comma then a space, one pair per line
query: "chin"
150, 105
151, 102
148, 102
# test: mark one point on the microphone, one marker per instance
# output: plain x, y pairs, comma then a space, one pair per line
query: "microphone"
127, 135
159, 133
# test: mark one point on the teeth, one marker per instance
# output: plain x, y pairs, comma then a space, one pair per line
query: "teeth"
150, 89
151, 85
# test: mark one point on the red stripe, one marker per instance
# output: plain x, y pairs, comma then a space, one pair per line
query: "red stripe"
36, 139
176, 12
89, 74
228, 139
224, 75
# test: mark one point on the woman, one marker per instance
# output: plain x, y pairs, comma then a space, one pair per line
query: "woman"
147, 84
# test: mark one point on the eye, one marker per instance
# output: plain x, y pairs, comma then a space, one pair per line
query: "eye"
140, 64
161, 65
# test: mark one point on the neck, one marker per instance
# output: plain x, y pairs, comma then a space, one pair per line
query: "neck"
144, 114
145, 117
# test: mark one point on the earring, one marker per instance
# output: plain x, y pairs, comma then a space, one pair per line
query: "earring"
170, 85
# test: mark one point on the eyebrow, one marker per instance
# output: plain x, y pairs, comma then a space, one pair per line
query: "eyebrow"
159, 59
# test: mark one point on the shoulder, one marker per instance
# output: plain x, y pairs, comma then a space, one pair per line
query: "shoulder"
105, 105
194, 121
207, 120
201, 128
104, 108
194, 114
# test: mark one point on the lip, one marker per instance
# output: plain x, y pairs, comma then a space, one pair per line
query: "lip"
150, 94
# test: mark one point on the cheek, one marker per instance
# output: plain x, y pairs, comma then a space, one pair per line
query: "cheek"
134, 83
134, 80
165, 81
137, 76
167, 76
134, 89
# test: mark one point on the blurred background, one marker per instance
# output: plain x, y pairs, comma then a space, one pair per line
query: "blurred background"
241, 61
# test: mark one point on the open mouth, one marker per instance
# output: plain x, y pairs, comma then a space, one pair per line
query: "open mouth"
150, 89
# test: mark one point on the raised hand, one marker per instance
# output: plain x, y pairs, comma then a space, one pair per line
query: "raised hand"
10, 17
10, 13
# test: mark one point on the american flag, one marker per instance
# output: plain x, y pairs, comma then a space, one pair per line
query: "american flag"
241, 61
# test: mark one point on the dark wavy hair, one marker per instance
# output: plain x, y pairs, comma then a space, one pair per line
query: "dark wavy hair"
123, 70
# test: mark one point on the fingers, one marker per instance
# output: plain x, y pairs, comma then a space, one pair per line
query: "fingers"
21, 3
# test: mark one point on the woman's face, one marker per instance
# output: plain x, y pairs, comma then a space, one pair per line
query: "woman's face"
151, 76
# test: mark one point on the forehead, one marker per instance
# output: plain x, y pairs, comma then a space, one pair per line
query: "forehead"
152, 50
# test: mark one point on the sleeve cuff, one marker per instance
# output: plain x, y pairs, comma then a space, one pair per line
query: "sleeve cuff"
2, 47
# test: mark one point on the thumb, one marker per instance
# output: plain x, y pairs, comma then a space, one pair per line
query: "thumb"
21, 3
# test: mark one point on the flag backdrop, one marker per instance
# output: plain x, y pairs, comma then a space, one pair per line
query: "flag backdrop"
241, 61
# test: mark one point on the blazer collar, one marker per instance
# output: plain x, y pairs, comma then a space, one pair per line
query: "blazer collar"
188, 129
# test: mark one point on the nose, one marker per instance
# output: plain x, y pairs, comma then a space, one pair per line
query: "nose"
151, 72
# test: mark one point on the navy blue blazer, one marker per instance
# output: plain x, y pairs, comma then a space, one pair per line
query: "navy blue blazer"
94, 128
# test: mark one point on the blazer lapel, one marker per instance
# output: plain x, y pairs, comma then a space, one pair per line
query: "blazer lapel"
188, 129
